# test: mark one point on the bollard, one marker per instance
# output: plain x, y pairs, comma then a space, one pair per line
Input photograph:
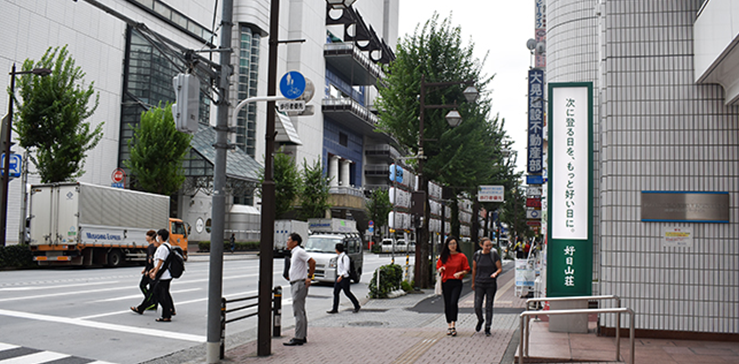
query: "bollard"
223, 327
407, 264
277, 311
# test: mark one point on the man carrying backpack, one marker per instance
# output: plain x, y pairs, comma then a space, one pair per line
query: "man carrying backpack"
161, 273
486, 267
343, 273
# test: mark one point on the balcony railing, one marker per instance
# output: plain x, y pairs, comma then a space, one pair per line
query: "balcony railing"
351, 106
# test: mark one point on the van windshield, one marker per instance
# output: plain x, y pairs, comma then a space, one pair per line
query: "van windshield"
321, 244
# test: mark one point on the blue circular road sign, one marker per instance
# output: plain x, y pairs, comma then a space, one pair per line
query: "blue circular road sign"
292, 85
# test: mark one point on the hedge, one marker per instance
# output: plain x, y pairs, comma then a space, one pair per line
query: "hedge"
16, 256
204, 246
390, 277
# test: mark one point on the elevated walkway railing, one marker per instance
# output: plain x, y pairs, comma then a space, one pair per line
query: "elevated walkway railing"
523, 348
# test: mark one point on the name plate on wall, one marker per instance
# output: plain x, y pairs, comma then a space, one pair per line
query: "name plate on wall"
680, 206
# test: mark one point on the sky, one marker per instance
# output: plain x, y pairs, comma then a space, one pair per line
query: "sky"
500, 28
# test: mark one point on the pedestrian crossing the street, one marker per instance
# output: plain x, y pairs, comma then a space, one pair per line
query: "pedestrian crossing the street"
13, 354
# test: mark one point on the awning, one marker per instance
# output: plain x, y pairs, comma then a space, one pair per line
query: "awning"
286, 133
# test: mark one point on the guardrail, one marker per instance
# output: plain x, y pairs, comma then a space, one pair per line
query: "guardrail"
276, 314
525, 316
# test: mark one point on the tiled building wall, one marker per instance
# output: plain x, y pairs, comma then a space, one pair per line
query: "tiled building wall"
660, 131
572, 56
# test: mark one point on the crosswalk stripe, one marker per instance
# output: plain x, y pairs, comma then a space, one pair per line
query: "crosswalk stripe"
14, 354
41, 357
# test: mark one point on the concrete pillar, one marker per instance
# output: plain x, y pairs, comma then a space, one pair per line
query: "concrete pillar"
345, 172
333, 171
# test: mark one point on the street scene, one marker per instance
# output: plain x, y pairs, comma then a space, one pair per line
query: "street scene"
369, 181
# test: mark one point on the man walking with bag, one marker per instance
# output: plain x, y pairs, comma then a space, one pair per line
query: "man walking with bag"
342, 280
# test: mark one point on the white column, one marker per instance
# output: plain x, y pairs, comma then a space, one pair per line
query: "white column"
345, 172
333, 171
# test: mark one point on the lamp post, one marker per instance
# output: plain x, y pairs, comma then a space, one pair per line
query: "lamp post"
6, 139
422, 269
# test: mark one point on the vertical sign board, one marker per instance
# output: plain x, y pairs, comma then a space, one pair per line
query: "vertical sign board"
535, 160
569, 231
540, 33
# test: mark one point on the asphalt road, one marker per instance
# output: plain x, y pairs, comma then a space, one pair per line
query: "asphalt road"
84, 311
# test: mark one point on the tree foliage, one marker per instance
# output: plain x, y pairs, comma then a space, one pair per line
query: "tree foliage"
378, 207
157, 152
314, 191
464, 157
51, 116
287, 183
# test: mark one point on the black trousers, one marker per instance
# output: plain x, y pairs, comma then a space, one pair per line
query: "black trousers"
451, 289
343, 286
148, 287
164, 298
485, 291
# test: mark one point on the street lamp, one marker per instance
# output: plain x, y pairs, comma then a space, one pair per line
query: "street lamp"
454, 118
7, 139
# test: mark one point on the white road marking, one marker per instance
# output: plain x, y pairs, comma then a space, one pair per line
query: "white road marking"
41, 357
106, 326
4, 346
139, 295
55, 287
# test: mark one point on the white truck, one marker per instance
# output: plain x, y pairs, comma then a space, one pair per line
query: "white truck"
283, 229
84, 224
320, 245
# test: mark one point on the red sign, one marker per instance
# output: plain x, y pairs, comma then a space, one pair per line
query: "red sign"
533, 222
118, 175
533, 202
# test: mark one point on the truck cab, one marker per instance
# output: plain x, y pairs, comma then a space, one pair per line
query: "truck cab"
178, 232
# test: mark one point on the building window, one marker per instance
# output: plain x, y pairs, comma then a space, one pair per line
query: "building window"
147, 83
343, 140
246, 137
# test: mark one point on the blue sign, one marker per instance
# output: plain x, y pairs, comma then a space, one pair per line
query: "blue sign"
535, 161
536, 179
15, 165
292, 85
396, 173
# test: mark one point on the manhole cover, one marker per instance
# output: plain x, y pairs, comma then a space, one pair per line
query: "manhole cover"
366, 323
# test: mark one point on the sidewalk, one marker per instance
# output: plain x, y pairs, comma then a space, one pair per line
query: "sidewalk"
412, 329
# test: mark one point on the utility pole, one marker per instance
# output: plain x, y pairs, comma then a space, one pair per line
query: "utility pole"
215, 278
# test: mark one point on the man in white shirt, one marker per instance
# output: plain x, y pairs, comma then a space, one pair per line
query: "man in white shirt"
302, 267
342, 280
160, 272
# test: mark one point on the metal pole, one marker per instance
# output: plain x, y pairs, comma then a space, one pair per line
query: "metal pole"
223, 328
422, 270
267, 235
215, 279
631, 336
24, 199
277, 313
6, 165
521, 330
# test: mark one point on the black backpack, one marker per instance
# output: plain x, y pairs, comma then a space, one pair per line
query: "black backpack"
175, 261
353, 276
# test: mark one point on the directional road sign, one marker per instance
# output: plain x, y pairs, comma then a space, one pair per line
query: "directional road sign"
292, 85
15, 165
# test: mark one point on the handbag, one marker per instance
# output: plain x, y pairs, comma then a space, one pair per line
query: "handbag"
437, 287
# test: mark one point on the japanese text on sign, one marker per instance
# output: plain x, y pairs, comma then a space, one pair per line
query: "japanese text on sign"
569, 254
536, 121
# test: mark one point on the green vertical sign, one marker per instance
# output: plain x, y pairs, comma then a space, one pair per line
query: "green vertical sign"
570, 190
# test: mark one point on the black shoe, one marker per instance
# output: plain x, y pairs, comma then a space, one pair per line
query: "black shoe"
332, 311
487, 331
356, 309
479, 325
294, 342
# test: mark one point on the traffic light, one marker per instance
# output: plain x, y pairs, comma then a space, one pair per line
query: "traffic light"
186, 109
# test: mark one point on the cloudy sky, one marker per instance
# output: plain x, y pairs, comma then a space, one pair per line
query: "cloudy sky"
500, 28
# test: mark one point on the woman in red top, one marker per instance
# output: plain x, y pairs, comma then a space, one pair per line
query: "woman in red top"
452, 265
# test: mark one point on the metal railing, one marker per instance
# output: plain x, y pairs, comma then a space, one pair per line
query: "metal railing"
525, 316
276, 314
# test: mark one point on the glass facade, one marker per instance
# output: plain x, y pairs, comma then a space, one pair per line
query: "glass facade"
247, 87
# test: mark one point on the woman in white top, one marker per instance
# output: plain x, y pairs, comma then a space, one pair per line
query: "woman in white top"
342, 280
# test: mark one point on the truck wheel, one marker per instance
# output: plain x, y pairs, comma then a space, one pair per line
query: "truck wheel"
115, 258
359, 275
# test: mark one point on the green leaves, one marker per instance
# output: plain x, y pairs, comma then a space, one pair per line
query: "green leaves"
314, 192
378, 207
51, 114
157, 152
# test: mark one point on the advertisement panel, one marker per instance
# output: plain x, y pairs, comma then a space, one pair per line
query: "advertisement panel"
569, 255
535, 159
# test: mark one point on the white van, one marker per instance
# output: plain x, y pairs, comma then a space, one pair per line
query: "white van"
322, 248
